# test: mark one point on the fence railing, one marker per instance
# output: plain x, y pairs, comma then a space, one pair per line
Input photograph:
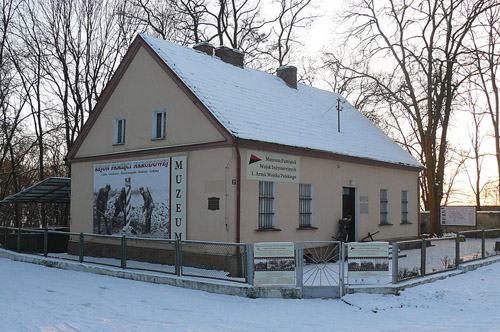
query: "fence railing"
215, 260
418, 258
318, 264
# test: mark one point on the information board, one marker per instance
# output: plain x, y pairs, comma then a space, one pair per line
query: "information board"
368, 263
458, 215
274, 264
276, 167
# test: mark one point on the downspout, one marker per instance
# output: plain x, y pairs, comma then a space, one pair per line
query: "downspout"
419, 216
238, 193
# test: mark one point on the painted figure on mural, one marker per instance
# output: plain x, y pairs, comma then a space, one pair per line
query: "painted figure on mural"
101, 205
147, 208
120, 203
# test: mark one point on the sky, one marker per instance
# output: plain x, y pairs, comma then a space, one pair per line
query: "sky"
321, 36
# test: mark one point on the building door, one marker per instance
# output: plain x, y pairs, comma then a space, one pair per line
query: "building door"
349, 209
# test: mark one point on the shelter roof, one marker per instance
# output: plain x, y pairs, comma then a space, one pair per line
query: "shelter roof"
50, 190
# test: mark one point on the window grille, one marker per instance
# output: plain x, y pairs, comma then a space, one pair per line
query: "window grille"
266, 205
384, 206
305, 205
404, 206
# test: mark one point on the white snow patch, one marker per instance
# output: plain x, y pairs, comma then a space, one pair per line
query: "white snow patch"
47, 299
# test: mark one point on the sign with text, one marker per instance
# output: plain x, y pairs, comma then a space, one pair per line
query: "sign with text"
368, 263
142, 197
274, 264
132, 197
178, 208
266, 166
458, 215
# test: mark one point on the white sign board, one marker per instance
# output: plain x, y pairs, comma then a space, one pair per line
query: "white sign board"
265, 166
458, 215
178, 208
134, 197
274, 264
368, 263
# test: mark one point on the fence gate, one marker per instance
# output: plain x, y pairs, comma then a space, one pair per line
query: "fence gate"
320, 268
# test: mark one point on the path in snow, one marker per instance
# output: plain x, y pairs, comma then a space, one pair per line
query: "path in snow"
52, 300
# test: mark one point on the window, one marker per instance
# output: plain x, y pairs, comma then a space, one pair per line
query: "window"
159, 123
305, 205
404, 207
266, 205
384, 206
119, 134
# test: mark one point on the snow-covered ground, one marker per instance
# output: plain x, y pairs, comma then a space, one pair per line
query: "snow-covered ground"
51, 300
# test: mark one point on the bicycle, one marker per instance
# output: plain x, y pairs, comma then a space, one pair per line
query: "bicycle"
343, 234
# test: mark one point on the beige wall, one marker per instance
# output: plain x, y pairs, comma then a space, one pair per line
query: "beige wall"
328, 177
209, 174
145, 87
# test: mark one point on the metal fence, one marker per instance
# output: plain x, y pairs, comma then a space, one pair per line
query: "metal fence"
319, 266
418, 258
215, 260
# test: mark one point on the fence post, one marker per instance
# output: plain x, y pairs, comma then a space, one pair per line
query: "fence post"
299, 266
483, 244
81, 243
178, 257
457, 250
249, 263
45, 241
124, 252
5, 234
19, 239
423, 257
395, 267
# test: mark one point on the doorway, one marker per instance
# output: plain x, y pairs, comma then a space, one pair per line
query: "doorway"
349, 209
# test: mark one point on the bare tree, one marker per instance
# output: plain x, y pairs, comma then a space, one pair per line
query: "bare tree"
292, 16
485, 42
421, 46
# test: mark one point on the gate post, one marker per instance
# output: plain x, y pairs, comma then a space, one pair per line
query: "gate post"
299, 266
342, 265
395, 266
457, 251
249, 263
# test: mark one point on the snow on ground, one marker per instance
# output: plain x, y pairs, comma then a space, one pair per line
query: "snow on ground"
51, 300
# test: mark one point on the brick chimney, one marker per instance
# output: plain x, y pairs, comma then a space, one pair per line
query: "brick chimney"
205, 47
289, 75
230, 55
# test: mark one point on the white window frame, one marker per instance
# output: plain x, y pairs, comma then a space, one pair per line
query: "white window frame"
163, 128
405, 212
384, 207
306, 214
266, 205
118, 139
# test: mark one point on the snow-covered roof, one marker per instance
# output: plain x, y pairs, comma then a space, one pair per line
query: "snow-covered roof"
259, 106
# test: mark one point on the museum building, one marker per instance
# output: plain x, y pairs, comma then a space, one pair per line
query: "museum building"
191, 144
